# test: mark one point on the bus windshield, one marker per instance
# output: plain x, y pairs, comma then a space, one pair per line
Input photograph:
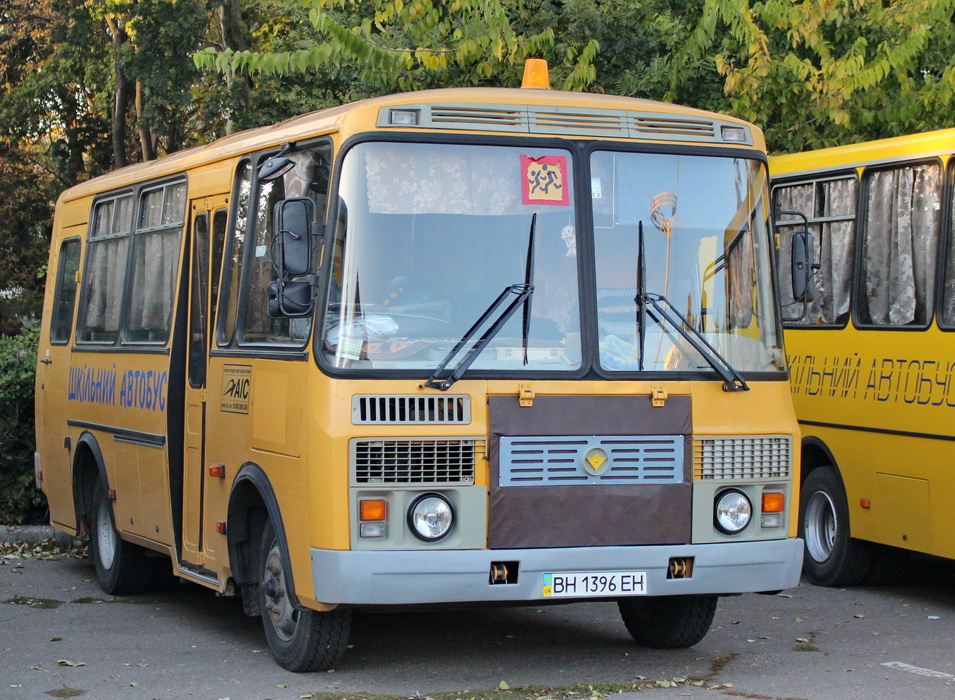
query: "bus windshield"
706, 253
429, 235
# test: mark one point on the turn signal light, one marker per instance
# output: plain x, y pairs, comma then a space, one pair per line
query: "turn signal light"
774, 502
372, 510
217, 471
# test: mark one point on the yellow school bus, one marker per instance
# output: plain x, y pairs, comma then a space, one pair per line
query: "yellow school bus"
870, 346
440, 348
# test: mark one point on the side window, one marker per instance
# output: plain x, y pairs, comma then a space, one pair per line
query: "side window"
235, 252
308, 178
198, 323
946, 314
61, 322
830, 207
105, 272
899, 246
156, 243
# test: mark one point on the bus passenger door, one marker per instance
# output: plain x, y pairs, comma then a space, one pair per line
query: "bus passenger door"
54, 388
208, 228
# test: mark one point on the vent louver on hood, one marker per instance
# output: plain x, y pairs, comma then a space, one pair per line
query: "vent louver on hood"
538, 119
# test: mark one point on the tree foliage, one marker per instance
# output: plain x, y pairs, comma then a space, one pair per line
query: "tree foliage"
817, 73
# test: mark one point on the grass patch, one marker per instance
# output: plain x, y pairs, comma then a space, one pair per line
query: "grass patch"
66, 692
805, 647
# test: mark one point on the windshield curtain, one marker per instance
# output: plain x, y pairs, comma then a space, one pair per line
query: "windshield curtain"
429, 235
706, 250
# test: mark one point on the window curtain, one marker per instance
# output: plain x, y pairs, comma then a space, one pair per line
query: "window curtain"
417, 179
107, 273
833, 245
901, 240
154, 280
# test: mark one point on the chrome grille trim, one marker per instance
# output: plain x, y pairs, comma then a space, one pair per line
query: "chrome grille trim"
558, 461
410, 409
740, 458
418, 461
539, 119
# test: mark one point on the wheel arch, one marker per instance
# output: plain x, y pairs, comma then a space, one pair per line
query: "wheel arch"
251, 500
88, 466
815, 454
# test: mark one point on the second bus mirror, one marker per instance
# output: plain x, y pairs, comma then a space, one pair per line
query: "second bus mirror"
292, 244
803, 267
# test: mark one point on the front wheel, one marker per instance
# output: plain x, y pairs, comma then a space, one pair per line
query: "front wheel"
121, 567
833, 557
301, 640
668, 622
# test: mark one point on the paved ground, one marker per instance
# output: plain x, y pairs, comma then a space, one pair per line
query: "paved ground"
61, 636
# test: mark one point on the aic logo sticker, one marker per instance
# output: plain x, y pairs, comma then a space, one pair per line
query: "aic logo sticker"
236, 388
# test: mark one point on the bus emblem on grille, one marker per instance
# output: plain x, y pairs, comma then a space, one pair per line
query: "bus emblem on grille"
596, 461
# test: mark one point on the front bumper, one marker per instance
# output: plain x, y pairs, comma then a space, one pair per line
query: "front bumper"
463, 576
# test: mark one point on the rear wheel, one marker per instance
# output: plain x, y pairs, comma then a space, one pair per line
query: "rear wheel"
301, 640
121, 567
669, 622
833, 558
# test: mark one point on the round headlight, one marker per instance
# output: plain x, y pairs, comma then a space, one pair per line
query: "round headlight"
431, 517
733, 511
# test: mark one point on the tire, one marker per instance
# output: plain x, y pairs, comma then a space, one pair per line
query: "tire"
832, 557
668, 622
300, 640
121, 567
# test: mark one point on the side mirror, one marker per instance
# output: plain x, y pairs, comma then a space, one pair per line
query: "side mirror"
292, 243
802, 267
294, 228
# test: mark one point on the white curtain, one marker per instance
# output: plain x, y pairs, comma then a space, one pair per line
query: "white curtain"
833, 243
901, 240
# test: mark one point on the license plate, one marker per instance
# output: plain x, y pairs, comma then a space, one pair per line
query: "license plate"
588, 584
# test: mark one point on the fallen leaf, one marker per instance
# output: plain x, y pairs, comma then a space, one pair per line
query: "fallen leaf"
802, 639
67, 662
859, 616
56, 638
504, 686
282, 685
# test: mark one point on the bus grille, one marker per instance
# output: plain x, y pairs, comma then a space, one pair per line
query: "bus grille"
405, 410
415, 460
559, 461
762, 457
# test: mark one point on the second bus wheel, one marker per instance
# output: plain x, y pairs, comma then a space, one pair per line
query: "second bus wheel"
668, 622
300, 640
832, 556
121, 567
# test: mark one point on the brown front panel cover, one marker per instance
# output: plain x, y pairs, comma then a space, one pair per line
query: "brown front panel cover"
594, 515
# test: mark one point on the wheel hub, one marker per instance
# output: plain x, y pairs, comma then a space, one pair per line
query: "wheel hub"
820, 526
281, 612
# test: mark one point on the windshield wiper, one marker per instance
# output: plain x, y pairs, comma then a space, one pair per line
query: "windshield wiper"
522, 293
664, 310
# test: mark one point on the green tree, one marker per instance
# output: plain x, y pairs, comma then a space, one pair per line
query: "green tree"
396, 46
817, 73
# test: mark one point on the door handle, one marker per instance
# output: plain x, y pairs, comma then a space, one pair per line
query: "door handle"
47, 361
